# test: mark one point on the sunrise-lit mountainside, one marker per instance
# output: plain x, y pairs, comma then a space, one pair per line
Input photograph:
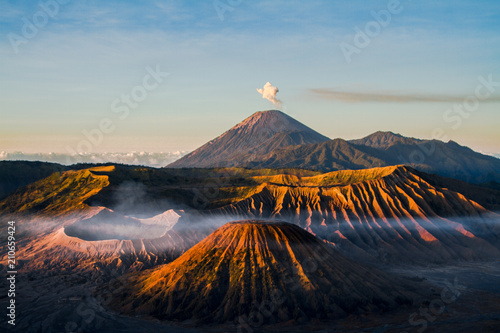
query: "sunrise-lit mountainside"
166, 237
250, 262
393, 210
101, 222
386, 213
244, 145
53, 217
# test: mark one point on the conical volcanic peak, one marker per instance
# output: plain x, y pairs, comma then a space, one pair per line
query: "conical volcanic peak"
272, 121
258, 134
243, 264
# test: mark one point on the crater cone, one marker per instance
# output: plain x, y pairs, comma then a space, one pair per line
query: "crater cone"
273, 268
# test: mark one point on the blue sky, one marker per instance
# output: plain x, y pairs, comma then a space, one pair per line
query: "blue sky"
66, 76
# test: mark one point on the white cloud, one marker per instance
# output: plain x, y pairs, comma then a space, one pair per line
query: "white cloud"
132, 158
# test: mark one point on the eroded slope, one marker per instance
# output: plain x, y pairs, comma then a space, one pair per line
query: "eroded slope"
249, 262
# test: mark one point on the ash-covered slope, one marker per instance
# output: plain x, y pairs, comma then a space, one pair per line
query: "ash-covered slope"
247, 263
259, 134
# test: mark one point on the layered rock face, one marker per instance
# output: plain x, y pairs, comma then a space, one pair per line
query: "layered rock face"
393, 213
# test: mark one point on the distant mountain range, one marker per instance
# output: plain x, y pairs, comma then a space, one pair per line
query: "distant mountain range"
272, 139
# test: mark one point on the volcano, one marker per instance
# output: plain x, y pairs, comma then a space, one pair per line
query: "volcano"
246, 266
259, 134
272, 139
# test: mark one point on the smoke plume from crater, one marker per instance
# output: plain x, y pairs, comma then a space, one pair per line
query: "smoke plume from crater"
269, 92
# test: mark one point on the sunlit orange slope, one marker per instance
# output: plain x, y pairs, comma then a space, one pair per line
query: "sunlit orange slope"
245, 263
396, 213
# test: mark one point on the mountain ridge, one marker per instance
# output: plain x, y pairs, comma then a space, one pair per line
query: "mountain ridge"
294, 145
252, 136
384, 139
